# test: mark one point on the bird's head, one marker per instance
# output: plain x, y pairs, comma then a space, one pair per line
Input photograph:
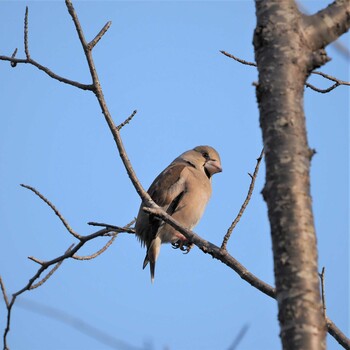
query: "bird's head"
205, 158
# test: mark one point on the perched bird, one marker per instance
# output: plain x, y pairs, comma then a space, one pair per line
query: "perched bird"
182, 190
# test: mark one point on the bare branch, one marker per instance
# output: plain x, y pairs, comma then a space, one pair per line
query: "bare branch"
127, 121
323, 293
330, 77
15, 61
14, 64
4, 294
36, 260
223, 256
98, 37
245, 203
99, 95
238, 59
26, 48
328, 24
99, 252
118, 229
337, 82
216, 252
41, 282
322, 91
337, 334
63, 220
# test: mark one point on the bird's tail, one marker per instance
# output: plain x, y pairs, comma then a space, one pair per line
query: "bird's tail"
152, 255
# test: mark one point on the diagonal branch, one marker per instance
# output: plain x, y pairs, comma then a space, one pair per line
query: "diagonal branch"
245, 203
63, 220
223, 256
100, 97
216, 252
99, 252
127, 120
98, 37
328, 24
51, 272
4, 294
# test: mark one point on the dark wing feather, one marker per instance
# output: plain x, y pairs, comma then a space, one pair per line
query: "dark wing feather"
166, 190
167, 185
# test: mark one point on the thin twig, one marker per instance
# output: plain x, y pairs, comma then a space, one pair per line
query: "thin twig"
14, 64
127, 120
247, 63
4, 294
337, 82
98, 37
15, 61
99, 252
36, 260
245, 203
63, 220
322, 91
41, 282
26, 47
323, 292
126, 228
45, 265
330, 77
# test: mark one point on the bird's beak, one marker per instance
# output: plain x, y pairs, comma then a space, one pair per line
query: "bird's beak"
213, 166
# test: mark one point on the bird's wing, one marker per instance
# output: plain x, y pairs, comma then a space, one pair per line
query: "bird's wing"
166, 190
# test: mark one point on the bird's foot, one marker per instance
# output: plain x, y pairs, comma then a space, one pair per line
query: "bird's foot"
184, 246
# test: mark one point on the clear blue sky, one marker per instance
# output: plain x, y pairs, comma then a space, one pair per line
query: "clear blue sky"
161, 58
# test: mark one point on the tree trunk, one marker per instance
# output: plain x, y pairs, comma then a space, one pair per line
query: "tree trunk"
287, 48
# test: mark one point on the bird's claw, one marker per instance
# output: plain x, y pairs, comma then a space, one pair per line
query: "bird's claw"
184, 246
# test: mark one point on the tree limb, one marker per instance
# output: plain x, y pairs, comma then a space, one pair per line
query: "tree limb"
337, 82
327, 25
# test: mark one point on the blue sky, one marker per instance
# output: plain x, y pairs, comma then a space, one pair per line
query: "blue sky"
161, 58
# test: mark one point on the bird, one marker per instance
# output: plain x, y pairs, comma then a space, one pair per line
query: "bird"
182, 190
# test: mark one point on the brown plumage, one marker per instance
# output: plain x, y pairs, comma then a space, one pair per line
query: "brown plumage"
183, 190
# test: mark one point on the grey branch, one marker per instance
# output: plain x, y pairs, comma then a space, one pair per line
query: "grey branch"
337, 82
26, 47
328, 24
323, 292
216, 252
63, 220
4, 294
127, 120
99, 252
245, 203
98, 37
51, 272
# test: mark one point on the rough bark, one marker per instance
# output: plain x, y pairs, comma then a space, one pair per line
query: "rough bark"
288, 46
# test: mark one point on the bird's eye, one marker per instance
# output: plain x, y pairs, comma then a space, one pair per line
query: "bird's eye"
205, 155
